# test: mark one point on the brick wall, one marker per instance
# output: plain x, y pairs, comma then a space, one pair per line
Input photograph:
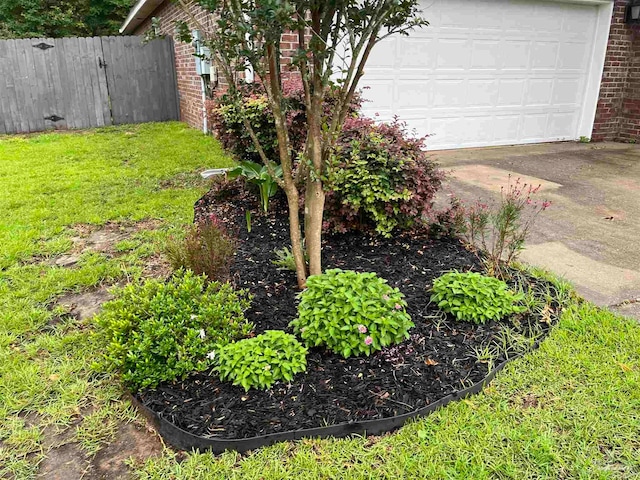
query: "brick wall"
618, 112
189, 83
629, 124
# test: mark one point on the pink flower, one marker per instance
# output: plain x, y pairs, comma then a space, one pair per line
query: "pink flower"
368, 340
398, 306
385, 297
362, 329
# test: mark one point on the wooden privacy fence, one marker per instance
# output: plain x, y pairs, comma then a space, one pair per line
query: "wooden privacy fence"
85, 82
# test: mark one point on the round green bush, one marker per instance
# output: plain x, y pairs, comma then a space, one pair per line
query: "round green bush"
156, 331
473, 297
351, 313
260, 361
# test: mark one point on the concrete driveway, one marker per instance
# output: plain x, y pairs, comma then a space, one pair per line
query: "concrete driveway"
591, 233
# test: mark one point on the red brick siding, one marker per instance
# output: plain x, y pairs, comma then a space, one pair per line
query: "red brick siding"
618, 112
189, 83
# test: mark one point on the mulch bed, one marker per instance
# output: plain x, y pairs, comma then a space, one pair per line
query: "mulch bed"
437, 360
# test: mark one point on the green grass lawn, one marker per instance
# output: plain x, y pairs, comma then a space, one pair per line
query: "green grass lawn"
569, 410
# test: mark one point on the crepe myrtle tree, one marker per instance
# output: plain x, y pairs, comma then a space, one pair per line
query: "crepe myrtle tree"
334, 41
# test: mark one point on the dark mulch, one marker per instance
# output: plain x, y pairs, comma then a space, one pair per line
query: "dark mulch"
436, 361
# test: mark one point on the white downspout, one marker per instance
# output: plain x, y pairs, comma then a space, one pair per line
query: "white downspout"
205, 127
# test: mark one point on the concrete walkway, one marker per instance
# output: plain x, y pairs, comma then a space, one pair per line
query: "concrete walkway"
591, 233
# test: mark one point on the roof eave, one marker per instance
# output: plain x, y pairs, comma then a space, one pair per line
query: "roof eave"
138, 14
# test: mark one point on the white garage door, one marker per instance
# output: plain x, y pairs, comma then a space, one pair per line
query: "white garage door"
492, 72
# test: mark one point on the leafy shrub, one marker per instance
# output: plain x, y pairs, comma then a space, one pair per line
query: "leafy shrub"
156, 331
351, 313
474, 298
226, 120
207, 249
260, 361
502, 231
379, 178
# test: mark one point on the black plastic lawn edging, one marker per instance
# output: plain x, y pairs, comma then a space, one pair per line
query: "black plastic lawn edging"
180, 439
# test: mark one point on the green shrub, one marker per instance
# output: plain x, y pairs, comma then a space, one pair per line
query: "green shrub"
351, 313
379, 178
259, 362
475, 298
156, 331
207, 249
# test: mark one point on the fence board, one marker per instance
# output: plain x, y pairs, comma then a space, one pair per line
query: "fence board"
32, 86
57, 84
12, 120
6, 122
20, 64
64, 100
85, 82
43, 84
103, 110
71, 101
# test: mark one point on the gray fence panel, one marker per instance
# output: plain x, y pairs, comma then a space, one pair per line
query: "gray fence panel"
141, 79
85, 82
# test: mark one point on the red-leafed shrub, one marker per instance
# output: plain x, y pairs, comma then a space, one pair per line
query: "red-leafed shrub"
379, 178
207, 249
226, 122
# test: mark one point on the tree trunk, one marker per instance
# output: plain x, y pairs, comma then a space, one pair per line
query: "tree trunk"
314, 193
296, 237
314, 208
274, 90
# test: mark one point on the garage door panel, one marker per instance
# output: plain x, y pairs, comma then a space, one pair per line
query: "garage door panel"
544, 55
482, 93
379, 97
411, 95
484, 54
453, 53
411, 53
385, 56
514, 71
580, 23
561, 125
547, 17
565, 92
573, 56
457, 14
539, 91
510, 92
478, 129
449, 93
515, 54
449, 129
534, 127
505, 128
